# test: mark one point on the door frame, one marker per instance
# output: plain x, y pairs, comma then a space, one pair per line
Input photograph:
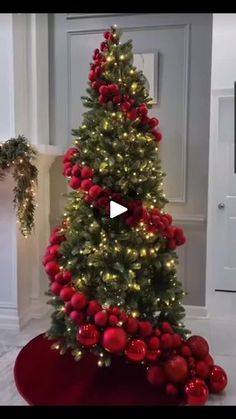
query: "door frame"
218, 303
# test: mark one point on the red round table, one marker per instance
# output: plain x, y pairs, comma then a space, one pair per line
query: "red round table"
44, 377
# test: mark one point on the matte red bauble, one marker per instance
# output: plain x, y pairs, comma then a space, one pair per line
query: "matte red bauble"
93, 307
196, 392
171, 390
136, 350
202, 369
87, 172
156, 376
88, 335
77, 317
52, 268
101, 318
131, 325
66, 293
145, 328
153, 354
176, 369
114, 339
198, 346
79, 301
154, 342
56, 288
75, 182
95, 191
217, 379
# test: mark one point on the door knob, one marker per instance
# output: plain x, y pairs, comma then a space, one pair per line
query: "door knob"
221, 205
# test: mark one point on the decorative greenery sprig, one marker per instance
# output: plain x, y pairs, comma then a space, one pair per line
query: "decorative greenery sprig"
16, 155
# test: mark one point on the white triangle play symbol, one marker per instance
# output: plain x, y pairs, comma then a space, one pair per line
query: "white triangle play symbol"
116, 209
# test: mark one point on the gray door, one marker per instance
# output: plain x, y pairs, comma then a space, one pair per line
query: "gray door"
181, 47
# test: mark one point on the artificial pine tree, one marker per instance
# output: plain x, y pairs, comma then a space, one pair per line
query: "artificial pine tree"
114, 287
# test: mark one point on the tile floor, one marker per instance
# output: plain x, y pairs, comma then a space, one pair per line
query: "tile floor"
219, 333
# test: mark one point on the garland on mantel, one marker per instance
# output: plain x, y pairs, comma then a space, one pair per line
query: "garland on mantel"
16, 155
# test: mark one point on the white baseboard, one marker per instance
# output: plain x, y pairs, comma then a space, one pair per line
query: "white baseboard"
196, 312
9, 319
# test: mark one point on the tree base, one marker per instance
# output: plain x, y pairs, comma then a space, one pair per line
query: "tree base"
44, 377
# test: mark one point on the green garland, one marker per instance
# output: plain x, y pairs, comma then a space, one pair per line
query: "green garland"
16, 155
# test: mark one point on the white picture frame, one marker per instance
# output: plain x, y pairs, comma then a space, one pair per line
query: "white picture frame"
148, 63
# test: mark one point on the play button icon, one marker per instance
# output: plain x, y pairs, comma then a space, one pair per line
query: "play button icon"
116, 209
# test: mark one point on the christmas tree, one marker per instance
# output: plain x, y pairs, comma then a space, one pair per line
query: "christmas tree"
114, 288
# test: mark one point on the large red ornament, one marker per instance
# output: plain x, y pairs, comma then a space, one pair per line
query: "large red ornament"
217, 379
52, 268
66, 293
136, 350
56, 288
79, 301
88, 335
196, 392
198, 346
75, 182
176, 369
156, 376
114, 339
95, 191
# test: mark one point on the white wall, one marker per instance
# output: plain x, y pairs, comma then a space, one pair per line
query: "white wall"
224, 51
6, 77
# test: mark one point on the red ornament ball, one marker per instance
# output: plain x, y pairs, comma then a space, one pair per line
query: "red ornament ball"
217, 379
93, 307
202, 369
68, 307
54, 249
156, 376
171, 390
86, 184
177, 340
153, 354
95, 191
136, 350
185, 350
52, 268
66, 293
114, 89
79, 301
209, 360
176, 369
101, 318
56, 288
154, 343
87, 172
113, 320
114, 339
198, 346
75, 182
88, 335
166, 341
103, 90
131, 325
47, 258
132, 115
77, 317
166, 327
76, 170
145, 328
196, 392
153, 122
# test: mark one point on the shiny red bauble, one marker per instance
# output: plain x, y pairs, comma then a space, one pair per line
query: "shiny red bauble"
176, 369
136, 350
114, 339
217, 379
196, 392
88, 335
156, 376
198, 346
